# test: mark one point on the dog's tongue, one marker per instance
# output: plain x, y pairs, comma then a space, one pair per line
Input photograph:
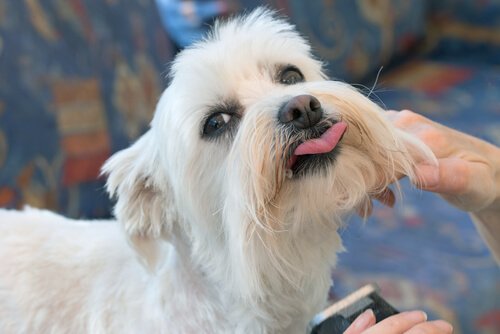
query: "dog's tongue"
323, 144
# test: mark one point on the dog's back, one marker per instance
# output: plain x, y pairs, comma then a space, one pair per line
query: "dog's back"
57, 270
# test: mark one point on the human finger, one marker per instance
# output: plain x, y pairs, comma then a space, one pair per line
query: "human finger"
405, 118
431, 327
398, 323
363, 321
436, 136
386, 197
465, 184
365, 209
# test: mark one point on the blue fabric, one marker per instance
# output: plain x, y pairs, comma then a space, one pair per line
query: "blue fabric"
465, 29
78, 81
482, 13
188, 21
354, 38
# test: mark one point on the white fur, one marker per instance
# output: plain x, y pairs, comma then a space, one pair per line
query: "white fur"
213, 237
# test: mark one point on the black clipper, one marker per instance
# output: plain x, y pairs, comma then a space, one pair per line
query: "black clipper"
336, 318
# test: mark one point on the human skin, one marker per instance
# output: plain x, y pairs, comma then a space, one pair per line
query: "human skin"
468, 170
412, 322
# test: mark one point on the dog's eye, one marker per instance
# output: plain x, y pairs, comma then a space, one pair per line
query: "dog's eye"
290, 76
216, 123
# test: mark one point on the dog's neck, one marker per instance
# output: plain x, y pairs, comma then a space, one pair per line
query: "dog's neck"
280, 304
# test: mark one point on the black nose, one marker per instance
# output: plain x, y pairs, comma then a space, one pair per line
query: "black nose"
303, 111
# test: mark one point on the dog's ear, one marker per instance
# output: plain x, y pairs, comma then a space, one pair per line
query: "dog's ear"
144, 206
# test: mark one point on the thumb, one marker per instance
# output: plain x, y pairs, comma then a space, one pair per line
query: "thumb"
463, 183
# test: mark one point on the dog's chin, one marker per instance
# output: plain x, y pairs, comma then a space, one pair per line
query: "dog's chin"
314, 164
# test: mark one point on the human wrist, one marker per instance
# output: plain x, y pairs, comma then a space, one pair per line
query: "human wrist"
492, 210
489, 215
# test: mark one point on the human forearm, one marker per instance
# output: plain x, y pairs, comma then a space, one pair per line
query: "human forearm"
487, 220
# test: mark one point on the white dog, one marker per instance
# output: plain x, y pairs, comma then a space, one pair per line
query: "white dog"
228, 206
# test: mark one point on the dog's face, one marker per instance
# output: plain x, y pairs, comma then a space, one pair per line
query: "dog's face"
253, 157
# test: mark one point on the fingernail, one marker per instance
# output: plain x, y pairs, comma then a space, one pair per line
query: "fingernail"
363, 320
445, 326
417, 315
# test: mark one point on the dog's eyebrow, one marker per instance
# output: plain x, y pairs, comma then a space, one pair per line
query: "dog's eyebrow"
230, 106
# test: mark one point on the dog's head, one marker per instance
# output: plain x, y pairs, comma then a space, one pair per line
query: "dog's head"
253, 157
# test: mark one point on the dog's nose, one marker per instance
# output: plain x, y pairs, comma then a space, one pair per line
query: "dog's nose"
303, 111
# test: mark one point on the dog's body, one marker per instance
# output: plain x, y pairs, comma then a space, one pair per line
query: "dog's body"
228, 207
66, 276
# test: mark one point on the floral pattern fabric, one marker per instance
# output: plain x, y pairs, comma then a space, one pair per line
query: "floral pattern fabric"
78, 81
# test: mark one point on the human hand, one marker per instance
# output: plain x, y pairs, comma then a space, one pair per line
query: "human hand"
468, 170
403, 323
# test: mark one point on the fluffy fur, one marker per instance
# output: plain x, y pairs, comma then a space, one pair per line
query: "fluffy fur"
213, 234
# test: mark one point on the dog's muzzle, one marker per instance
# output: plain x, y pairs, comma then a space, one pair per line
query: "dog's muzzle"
304, 113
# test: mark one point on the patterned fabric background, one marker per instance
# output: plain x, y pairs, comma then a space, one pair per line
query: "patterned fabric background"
465, 29
354, 37
79, 79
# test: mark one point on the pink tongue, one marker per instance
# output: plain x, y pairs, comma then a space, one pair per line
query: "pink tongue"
323, 144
